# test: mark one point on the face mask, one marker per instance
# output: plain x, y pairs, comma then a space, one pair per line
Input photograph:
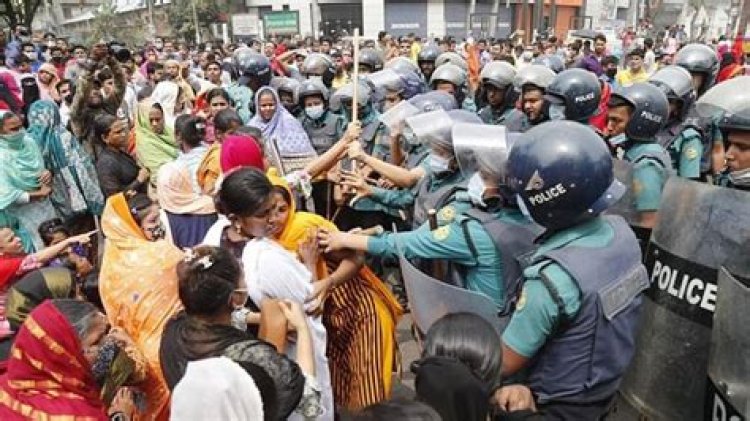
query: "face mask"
611, 73
438, 164
740, 178
556, 112
315, 111
476, 189
618, 140
30, 55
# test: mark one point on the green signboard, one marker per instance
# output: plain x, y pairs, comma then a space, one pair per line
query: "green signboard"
281, 23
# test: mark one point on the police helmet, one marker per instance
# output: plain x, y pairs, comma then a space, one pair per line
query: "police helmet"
677, 85
578, 91
650, 109
428, 53
550, 61
562, 174
434, 100
449, 72
345, 94
252, 66
319, 66
453, 58
728, 103
286, 84
402, 65
386, 80
699, 58
499, 74
312, 87
371, 58
534, 74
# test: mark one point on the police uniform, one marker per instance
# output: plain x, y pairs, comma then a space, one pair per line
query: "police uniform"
685, 148
325, 131
242, 96
490, 115
464, 242
560, 322
469, 104
651, 168
517, 121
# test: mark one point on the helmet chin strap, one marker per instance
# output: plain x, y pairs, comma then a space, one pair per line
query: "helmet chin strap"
740, 177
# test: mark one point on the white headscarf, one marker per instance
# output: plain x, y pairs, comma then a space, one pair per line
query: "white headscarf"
166, 93
216, 389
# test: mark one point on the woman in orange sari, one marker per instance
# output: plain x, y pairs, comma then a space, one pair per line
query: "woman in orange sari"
138, 285
360, 314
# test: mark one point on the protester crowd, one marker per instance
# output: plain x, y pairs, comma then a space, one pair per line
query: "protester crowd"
206, 232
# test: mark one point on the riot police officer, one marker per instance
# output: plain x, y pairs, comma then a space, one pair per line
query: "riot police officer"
319, 66
531, 82
497, 92
573, 94
426, 60
452, 58
452, 79
374, 135
728, 104
681, 138
636, 114
287, 89
550, 61
574, 325
483, 245
254, 71
322, 126
388, 88
370, 61
703, 64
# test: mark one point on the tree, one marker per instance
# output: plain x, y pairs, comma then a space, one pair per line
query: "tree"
180, 14
110, 26
19, 12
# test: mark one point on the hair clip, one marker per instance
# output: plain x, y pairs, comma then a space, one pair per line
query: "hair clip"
206, 262
190, 255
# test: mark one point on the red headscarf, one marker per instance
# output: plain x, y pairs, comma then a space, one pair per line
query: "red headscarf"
47, 376
240, 151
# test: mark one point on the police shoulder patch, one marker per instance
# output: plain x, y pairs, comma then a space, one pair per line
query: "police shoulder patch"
442, 233
521, 300
447, 213
691, 153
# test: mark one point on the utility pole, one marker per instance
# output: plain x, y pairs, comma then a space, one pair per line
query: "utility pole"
195, 22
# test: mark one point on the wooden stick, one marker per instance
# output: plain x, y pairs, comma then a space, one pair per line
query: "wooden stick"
355, 76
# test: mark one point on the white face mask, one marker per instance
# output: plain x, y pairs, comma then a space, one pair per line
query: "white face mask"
476, 189
556, 112
31, 55
315, 111
438, 164
741, 177
618, 140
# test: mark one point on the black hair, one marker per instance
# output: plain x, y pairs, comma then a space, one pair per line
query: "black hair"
284, 193
207, 280
28, 44
63, 82
78, 47
78, 313
139, 205
250, 131
648, 42
394, 409
469, 339
213, 93
600, 37
212, 63
616, 101
226, 119
49, 228
104, 75
243, 192
610, 60
191, 129
152, 67
102, 125
636, 52
145, 92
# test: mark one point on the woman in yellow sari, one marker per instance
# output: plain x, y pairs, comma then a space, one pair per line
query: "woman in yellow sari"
138, 285
360, 314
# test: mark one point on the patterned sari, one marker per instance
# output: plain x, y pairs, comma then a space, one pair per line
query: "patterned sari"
48, 377
138, 286
360, 317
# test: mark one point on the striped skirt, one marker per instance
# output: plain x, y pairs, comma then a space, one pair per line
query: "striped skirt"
360, 317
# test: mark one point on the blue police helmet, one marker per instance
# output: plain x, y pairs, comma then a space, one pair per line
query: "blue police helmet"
650, 109
562, 174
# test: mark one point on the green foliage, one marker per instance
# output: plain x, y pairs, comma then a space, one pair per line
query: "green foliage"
180, 15
109, 25
19, 12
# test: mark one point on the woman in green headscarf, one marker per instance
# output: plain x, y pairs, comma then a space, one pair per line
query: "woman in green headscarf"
76, 188
25, 184
155, 144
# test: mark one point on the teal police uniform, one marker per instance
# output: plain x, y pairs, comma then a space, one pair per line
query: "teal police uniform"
491, 116
484, 270
325, 131
651, 168
686, 150
537, 313
242, 96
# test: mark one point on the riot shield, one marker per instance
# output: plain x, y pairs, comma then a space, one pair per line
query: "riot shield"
728, 387
396, 115
625, 207
431, 299
701, 228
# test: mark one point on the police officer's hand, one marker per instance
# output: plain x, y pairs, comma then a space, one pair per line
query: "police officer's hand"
353, 132
355, 182
355, 151
330, 240
514, 397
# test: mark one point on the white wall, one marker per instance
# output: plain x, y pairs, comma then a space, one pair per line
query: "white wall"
373, 17
435, 18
